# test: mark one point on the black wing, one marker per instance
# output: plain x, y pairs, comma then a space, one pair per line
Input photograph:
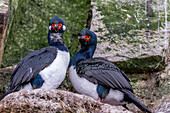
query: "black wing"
101, 71
31, 65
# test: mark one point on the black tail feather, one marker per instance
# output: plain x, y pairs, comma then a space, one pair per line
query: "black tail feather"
132, 98
5, 94
124, 105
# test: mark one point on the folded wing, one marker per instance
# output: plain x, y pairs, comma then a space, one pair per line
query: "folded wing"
101, 71
31, 65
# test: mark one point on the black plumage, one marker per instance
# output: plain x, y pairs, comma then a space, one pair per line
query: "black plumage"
131, 98
28, 68
102, 78
44, 56
103, 72
46, 67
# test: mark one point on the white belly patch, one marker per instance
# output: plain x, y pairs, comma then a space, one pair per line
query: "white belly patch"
82, 85
55, 73
114, 97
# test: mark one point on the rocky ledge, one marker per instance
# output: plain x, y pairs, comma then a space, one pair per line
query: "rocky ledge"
41, 100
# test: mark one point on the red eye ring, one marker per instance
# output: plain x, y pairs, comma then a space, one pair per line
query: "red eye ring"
59, 26
88, 37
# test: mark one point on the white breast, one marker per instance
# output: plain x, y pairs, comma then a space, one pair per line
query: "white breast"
82, 85
85, 87
55, 73
114, 97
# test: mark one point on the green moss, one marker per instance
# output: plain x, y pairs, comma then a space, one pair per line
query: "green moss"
4, 80
30, 25
108, 49
150, 87
141, 65
120, 17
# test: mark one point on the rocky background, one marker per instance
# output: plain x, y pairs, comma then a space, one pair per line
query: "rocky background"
124, 38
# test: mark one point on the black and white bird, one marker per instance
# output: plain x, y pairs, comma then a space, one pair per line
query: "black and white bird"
99, 78
43, 68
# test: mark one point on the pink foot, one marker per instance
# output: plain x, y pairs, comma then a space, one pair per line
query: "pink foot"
99, 99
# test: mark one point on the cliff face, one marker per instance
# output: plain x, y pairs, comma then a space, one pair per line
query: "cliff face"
124, 37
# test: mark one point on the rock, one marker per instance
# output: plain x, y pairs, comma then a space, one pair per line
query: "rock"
122, 37
5, 75
163, 105
41, 100
164, 76
152, 89
167, 69
3, 22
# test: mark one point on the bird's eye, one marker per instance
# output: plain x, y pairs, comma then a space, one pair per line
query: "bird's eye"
84, 38
87, 37
57, 26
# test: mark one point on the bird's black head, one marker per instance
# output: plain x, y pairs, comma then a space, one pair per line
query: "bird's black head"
87, 38
57, 25
88, 42
56, 30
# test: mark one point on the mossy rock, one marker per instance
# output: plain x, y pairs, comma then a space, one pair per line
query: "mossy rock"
121, 30
5, 75
141, 65
29, 22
